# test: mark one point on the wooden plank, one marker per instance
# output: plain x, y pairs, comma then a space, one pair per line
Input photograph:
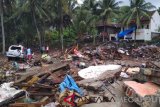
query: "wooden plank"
41, 94
33, 86
31, 82
37, 104
44, 70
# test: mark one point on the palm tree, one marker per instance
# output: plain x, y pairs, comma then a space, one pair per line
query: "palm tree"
90, 5
37, 11
138, 10
123, 11
59, 9
108, 9
72, 4
82, 21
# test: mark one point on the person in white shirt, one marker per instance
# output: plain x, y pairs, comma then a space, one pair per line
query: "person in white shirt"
29, 54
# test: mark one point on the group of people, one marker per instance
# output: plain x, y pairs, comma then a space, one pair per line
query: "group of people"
29, 52
44, 49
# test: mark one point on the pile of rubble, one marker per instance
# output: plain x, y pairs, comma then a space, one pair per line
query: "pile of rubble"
150, 52
83, 77
143, 86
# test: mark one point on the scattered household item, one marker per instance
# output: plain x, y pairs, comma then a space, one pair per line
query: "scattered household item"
133, 70
76, 52
46, 58
15, 65
23, 66
52, 104
124, 75
6, 91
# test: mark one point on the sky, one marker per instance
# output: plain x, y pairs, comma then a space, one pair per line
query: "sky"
126, 2
154, 2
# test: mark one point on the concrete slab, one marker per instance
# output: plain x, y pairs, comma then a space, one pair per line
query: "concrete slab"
143, 89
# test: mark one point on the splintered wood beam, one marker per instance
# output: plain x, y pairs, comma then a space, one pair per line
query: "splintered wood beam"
33, 86
42, 94
47, 71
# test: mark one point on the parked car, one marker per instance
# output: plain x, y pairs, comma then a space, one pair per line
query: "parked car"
16, 51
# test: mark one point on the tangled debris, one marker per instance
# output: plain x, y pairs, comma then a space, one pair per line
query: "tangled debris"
80, 76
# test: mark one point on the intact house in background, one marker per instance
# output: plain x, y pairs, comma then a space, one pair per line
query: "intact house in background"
149, 29
108, 29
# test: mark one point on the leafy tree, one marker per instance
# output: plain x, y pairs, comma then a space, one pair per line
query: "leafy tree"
123, 10
82, 21
63, 10
85, 18
35, 9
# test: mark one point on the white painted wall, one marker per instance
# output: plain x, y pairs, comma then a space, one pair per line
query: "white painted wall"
142, 34
146, 34
155, 22
112, 35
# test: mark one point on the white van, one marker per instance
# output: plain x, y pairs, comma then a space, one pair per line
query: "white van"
16, 51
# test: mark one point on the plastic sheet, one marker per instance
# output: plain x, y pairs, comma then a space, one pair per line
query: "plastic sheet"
70, 84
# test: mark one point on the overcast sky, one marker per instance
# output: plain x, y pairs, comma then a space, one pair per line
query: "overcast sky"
126, 2
154, 2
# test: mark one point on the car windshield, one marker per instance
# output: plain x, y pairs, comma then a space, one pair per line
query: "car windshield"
15, 48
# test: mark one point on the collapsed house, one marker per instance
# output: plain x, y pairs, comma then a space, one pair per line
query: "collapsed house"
106, 75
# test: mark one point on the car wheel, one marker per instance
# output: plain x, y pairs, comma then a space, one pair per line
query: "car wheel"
9, 58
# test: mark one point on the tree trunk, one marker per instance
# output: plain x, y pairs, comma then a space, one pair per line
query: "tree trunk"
104, 30
94, 39
2, 25
61, 24
61, 34
135, 36
38, 33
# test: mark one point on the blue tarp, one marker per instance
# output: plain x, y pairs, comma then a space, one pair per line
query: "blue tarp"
70, 84
126, 32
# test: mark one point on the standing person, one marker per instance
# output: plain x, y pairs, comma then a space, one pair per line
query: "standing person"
29, 54
47, 49
43, 49
25, 53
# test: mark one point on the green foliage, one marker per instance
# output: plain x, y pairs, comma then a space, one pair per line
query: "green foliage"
109, 8
69, 34
23, 19
53, 35
94, 31
137, 10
